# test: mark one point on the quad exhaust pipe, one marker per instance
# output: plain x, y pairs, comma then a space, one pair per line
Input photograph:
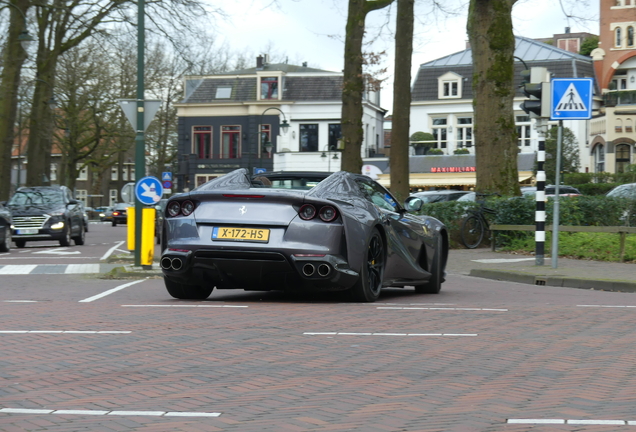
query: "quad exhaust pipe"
168, 263
308, 269
323, 270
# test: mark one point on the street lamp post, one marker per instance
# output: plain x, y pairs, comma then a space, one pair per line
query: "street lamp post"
267, 145
327, 155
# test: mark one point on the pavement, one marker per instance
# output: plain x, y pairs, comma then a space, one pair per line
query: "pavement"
483, 263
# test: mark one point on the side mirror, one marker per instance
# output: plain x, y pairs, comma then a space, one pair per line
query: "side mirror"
73, 201
413, 204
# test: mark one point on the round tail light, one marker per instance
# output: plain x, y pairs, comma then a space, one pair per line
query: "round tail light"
307, 212
187, 208
328, 213
174, 208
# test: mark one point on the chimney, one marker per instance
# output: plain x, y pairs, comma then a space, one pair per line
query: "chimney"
259, 62
567, 30
304, 64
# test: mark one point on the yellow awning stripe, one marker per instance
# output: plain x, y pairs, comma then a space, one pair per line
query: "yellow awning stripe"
445, 179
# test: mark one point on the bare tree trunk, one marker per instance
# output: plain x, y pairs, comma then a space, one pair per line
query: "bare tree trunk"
399, 160
353, 82
493, 44
14, 56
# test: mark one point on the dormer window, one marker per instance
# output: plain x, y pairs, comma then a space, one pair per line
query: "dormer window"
449, 86
223, 92
269, 88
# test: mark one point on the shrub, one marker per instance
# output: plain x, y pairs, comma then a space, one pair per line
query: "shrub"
435, 151
461, 151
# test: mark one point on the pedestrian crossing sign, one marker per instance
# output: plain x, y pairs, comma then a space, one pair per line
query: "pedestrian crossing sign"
571, 98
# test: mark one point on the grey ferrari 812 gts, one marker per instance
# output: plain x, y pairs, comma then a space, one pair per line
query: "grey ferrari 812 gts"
345, 233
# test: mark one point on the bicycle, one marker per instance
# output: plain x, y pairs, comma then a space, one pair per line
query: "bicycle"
475, 225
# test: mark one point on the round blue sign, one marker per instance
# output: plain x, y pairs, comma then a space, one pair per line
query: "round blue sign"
148, 190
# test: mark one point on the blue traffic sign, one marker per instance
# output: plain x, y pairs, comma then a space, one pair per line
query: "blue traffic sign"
166, 176
148, 190
167, 184
260, 170
571, 98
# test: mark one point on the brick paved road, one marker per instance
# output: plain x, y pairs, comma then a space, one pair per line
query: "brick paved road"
510, 352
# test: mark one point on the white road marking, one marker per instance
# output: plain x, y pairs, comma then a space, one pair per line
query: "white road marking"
438, 308
408, 304
186, 306
572, 422
119, 413
58, 251
502, 260
20, 301
606, 306
81, 268
64, 331
387, 334
105, 293
17, 269
111, 250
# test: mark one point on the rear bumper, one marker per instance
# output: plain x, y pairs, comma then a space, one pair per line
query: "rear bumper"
258, 270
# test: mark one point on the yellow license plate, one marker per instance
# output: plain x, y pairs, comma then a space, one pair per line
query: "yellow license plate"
240, 234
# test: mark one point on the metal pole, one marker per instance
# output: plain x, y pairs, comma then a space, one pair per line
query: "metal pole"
555, 217
140, 161
539, 235
17, 183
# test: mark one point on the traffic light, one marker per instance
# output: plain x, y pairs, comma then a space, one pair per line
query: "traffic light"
536, 85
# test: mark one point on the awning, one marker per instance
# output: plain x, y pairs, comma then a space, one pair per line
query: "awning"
446, 179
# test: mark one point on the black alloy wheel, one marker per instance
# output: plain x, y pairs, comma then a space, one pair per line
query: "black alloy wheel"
66, 240
81, 238
5, 246
369, 284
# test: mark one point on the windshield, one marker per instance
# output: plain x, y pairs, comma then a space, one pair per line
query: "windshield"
42, 197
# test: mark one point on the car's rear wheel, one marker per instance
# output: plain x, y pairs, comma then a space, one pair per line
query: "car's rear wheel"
369, 285
187, 292
20, 243
66, 240
81, 238
434, 284
6, 244
114, 223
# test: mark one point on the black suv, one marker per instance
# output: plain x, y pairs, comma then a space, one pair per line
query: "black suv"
46, 213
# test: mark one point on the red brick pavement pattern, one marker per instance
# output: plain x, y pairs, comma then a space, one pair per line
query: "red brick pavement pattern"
254, 365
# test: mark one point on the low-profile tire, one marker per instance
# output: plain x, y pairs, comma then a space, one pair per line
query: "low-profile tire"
81, 238
434, 284
5, 246
367, 288
66, 240
19, 243
114, 223
187, 292
472, 232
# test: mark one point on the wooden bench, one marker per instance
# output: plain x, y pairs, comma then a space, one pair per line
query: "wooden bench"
621, 230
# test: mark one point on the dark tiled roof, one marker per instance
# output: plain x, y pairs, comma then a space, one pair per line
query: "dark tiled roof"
295, 88
561, 63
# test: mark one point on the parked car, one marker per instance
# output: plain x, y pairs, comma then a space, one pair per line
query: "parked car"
6, 220
159, 218
345, 233
550, 190
46, 213
627, 190
106, 215
119, 214
442, 195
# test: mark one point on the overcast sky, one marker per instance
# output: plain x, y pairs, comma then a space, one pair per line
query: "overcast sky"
313, 30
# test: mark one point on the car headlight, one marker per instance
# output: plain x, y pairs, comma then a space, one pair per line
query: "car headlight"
58, 225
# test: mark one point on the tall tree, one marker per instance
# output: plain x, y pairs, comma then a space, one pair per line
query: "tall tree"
353, 82
399, 161
493, 44
13, 59
569, 154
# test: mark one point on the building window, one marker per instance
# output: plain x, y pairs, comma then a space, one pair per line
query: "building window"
81, 195
623, 157
450, 88
572, 45
618, 127
131, 173
308, 137
112, 197
82, 173
335, 135
230, 142
464, 132
223, 92
269, 88
266, 137
628, 126
440, 132
599, 158
114, 173
523, 131
618, 37
202, 142
201, 179
630, 36
53, 172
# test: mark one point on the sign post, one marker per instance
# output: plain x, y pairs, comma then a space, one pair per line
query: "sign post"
571, 100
